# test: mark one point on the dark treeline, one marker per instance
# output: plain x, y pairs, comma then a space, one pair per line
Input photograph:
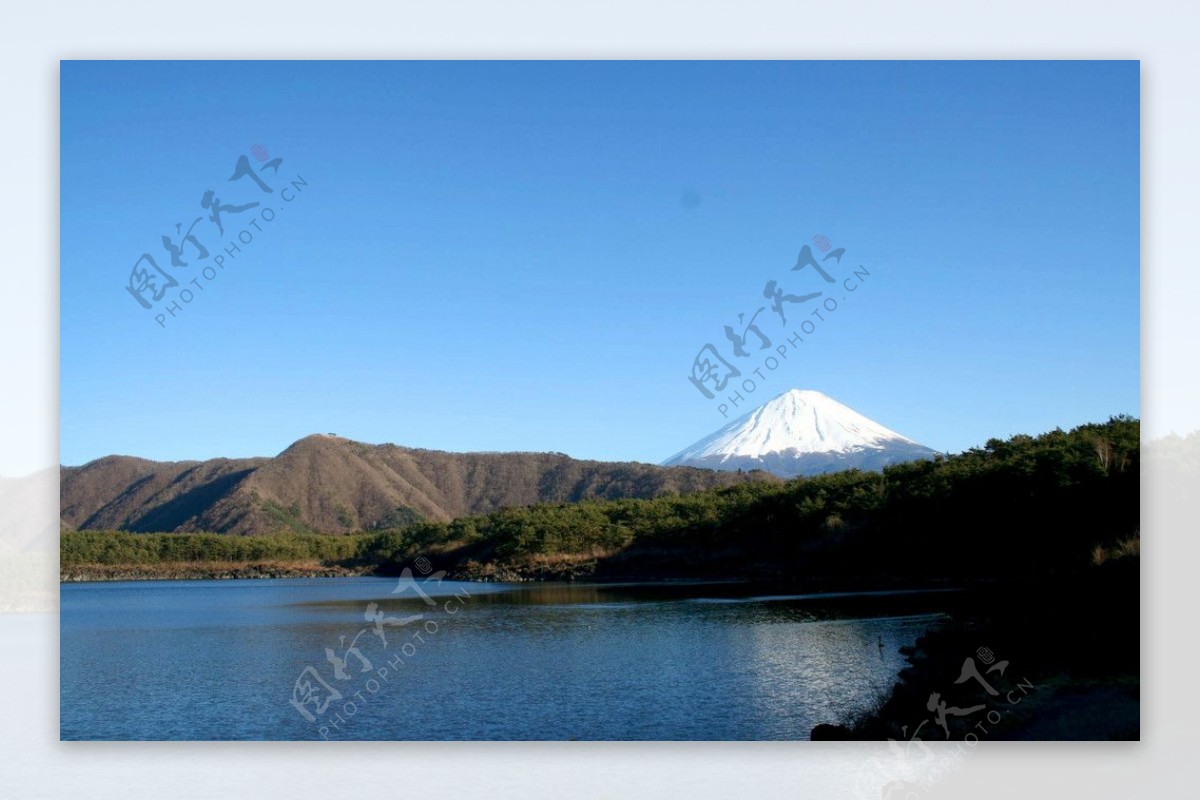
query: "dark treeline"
1025, 506
1021, 506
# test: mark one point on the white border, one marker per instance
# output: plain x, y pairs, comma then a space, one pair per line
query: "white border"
33, 37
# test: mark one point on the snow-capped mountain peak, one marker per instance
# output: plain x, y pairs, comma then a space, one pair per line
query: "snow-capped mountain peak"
801, 432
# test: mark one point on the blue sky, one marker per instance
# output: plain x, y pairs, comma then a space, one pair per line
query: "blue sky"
530, 255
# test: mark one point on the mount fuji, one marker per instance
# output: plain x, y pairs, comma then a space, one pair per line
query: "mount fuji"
801, 433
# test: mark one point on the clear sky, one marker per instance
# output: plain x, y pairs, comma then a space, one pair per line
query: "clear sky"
530, 255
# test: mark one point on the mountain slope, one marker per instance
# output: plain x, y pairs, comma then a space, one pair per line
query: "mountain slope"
801, 433
334, 485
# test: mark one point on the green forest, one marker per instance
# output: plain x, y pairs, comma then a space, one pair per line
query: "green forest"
1022, 507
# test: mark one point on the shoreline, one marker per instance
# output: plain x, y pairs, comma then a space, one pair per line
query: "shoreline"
236, 571
205, 571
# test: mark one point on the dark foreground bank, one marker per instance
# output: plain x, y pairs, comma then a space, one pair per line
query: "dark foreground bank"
1044, 661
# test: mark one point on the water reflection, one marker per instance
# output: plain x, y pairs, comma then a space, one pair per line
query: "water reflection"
218, 660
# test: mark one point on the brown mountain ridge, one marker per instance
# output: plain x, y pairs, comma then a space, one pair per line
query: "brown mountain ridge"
327, 484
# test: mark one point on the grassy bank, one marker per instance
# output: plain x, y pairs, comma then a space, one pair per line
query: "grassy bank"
206, 570
120, 555
124, 548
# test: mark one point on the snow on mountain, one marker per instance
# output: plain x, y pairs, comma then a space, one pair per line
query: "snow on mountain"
801, 433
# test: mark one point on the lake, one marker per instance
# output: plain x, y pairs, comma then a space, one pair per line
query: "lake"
349, 659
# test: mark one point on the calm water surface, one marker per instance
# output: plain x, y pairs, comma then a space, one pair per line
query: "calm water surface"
215, 660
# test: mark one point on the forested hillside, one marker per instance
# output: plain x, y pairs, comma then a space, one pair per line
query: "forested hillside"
325, 484
1025, 506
